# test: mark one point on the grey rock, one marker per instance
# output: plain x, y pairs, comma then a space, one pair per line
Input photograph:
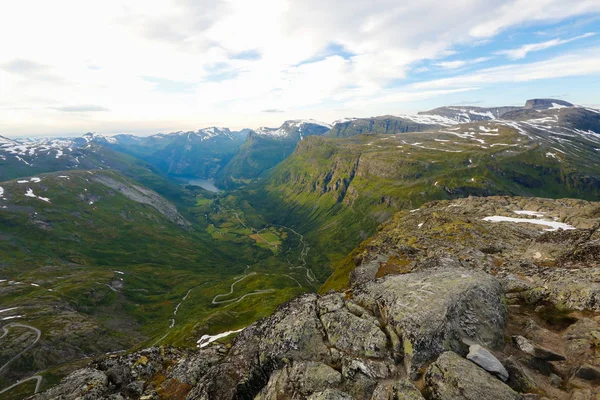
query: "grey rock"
354, 335
330, 394
330, 303
299, 380
85, 383
433, 311
538, 352
588, 372
293, 332
555, 380
452, 377
396, 390
519, 379
487, 361
135, 388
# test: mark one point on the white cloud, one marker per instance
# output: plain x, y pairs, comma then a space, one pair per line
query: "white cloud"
461, 63
183, 64
521, 52
521, 12
574, 64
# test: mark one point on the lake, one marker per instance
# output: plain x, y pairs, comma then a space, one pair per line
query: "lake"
207, 184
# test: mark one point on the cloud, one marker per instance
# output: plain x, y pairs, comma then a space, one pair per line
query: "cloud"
461, 63
521, 52
574, 64
520, 12
31, 70
169, 86
273, 110
196, 63
80, 108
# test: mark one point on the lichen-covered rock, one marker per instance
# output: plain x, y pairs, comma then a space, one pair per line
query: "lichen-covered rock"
452, 377
330, 394
396, 390
361, 375
433, 311
354, 335
87, 383
293, 333
519, 378
299, 380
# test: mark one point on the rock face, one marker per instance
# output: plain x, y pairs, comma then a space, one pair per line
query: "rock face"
432, 312
453, 377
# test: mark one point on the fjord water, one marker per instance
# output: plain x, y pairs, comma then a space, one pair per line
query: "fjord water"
207, 184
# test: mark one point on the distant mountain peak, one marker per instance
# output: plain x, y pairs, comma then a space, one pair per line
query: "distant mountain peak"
545, 104
293, 126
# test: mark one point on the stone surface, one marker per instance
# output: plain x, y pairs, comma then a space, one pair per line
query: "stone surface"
433, 311
299, 380
589, 373
452, 377
487, 361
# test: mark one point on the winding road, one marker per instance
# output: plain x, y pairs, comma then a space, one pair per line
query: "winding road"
37, 339
237, 299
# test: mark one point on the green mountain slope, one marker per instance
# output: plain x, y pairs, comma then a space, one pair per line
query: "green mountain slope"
99, 263
265, 148
338, 191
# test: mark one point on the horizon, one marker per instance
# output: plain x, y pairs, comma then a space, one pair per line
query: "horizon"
144, 68
238, 129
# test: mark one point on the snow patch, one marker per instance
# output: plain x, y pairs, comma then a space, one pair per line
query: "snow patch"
205, 340
553, 225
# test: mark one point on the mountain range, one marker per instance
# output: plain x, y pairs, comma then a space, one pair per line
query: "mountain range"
106, 245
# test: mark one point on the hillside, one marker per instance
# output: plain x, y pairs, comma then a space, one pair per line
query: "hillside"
201, 153
99, 263
267, 147
337, 191
451, 302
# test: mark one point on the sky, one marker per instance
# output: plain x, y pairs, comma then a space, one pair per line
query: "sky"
69, 66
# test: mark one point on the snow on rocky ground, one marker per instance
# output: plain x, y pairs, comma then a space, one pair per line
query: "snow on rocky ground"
553, 225
30, 193
205, 340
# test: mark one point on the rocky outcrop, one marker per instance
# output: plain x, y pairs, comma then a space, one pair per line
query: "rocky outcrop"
435, 311
453, 377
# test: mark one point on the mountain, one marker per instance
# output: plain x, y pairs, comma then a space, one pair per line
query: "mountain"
121, 256
337, 191
201, 153
266, 147
386, 125
477, 298
93, 262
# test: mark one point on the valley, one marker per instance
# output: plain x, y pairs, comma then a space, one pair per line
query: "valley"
114, 244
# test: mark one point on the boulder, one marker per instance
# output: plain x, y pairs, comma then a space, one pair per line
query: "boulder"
299, 380
85, 383
541, 353
452, 377
354, 335
588, 372
487, 361
396, 390
433, 311
330, 394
